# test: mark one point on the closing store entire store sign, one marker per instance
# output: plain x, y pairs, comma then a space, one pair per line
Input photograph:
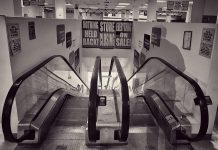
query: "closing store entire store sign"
106, 34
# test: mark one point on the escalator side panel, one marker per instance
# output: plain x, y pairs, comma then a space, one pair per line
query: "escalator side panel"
42, 123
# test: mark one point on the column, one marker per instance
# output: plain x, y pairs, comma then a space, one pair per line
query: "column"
127, 15
188, 15
152, 8
122, 16
7, 7
18, 8
60, 9
197, 11
135, 14
76, 11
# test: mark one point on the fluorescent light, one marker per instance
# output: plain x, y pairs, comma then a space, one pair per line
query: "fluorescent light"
93, 7
146, 4
68, 4
120, 6
124, 4
143, 7
190, 2
161, 1
45, 3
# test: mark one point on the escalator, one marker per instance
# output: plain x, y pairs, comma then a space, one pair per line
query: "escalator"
175, 100
57, 110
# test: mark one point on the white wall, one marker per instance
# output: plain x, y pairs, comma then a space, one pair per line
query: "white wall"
45, 44
6, 7
5, 67
212, 89
196, 65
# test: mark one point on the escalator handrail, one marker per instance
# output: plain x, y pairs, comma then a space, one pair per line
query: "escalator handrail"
93, 97
6, 114
123, 133
199, 93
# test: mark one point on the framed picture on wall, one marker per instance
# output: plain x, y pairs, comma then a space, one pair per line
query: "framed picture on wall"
187, 40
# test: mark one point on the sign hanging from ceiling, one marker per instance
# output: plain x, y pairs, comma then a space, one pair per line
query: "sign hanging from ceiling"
106, 34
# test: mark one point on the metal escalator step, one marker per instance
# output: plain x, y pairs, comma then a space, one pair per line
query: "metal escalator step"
138, 106
76, 102
141, 120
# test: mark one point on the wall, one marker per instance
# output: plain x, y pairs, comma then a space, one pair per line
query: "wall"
194, 63
45, 44
33, 11
6, 7
212, 89
5, 67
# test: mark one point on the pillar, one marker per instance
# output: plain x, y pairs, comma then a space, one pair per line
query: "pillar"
188, 15
152, 8
197, 10
135, 13
18, 8
122, 16
60, 9
76, 11
127, 15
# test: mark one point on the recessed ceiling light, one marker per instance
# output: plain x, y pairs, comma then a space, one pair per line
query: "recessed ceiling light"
124, 4
143, 7
161, 1
68, 4
120, 6
93, 7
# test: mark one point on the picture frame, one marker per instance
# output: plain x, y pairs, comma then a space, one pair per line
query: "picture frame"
187, 40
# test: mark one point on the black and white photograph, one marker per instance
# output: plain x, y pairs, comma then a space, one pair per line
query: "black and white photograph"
109, 74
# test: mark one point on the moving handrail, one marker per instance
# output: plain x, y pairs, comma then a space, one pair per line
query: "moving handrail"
6, 114
199, 100
122, 134
93, 134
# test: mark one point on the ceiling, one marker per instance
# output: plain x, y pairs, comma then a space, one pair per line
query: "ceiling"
107, 4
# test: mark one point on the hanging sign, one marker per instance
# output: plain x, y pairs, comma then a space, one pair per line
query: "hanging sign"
106, 34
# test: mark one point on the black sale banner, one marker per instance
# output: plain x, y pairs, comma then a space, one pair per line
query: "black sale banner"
106, 34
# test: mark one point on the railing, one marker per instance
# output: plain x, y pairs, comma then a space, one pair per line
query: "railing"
181, 93
121, 134
93, 101
35, 87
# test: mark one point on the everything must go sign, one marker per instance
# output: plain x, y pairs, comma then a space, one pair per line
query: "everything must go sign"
106, 34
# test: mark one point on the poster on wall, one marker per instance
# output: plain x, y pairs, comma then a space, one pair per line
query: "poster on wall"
187, 39
72, 59
185, 5
33, 2
170, 5
156, 36
207, 42
26, 3
106, 34
68, 39
177, 5
60, 33
136, 60
77, 60
32, 33
147, 42
14, 38
142, 58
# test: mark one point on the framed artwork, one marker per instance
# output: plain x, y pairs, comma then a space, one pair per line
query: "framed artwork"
187, 40
60, 33
32, 33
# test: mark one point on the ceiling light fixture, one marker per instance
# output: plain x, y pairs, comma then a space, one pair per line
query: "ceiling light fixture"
68, 4
161, 1
120, 6
124, 4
